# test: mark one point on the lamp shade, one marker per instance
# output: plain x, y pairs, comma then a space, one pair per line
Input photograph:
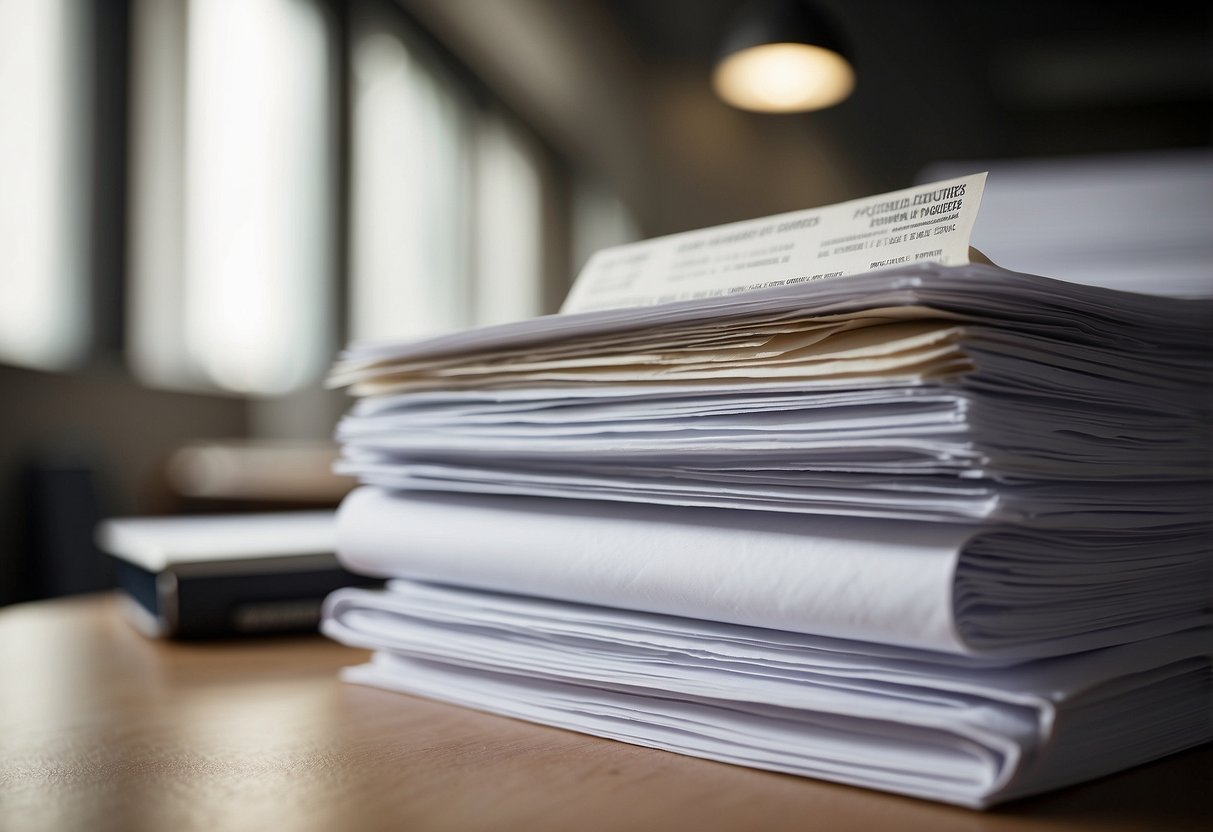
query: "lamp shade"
782, 56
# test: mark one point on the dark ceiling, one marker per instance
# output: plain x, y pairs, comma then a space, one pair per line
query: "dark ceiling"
982, 80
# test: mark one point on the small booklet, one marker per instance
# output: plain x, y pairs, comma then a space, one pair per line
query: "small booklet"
225, 575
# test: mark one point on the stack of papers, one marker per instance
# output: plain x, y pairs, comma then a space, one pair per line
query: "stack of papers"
971, 733
965, 394
940, 529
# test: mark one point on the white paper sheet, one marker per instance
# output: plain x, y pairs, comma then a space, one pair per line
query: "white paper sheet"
927, 223
905, 583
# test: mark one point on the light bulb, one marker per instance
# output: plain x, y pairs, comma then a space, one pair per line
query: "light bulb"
784, 78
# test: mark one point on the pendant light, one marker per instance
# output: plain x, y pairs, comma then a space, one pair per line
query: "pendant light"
782, 56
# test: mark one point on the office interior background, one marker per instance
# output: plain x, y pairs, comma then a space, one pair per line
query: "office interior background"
201, 201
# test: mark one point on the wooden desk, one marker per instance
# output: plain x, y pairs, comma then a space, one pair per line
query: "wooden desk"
102, 729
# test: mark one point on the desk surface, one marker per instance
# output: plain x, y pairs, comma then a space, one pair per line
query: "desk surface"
102, 729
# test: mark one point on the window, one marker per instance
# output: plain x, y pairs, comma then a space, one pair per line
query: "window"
254, 130
411, 173
447, 203
233, 220
44, 183
600, 220
509, 227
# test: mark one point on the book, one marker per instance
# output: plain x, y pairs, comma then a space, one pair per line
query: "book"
207, 576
